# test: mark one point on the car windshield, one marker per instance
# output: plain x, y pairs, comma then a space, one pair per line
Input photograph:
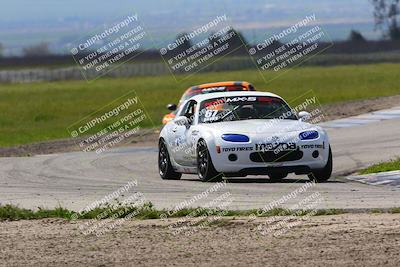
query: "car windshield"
244, 108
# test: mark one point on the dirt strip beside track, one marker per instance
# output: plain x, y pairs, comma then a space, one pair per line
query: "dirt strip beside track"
339, 240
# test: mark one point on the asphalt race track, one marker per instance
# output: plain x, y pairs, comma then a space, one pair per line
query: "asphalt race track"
75, 180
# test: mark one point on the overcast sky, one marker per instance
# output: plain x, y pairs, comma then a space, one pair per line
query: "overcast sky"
20, 10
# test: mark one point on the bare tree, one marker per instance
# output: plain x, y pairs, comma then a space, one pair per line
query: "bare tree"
184, 42
356, 36
41, 49
386, 14
237, 39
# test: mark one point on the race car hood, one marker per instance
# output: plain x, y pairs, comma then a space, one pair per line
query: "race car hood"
258, 126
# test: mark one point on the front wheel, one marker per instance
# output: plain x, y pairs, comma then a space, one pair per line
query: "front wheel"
164, 164
324, 174
205, 167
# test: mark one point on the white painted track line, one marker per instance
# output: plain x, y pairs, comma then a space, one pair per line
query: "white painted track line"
373, 117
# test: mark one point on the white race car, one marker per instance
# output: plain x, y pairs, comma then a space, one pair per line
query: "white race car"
235, 134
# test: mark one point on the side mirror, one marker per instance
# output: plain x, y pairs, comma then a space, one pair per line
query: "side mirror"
304, 115
182, 120
171, 107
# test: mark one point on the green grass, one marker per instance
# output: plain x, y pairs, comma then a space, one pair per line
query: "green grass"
144, 212
395, 210
10, 212
148, 211
392, 165
43, 111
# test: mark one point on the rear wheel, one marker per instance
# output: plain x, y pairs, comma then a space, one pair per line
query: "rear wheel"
324, 174
164, 164
205, 167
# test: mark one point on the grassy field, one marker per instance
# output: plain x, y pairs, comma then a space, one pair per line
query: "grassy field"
392, 165
43, 111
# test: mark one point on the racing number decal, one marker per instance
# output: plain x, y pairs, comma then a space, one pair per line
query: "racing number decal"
211, 113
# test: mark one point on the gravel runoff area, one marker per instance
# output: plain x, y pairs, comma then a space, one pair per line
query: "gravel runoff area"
336, 240
150, 137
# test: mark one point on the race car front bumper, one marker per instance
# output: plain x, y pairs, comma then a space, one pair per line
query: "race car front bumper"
246, 159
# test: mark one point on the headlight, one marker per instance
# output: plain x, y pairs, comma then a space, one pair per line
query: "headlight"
235, 138
308, 135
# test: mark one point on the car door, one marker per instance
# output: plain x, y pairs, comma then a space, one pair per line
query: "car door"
183, 140
174, 131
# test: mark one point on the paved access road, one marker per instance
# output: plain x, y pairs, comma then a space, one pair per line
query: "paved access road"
75, 180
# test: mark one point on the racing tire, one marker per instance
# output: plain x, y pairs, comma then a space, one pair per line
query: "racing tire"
165, 168
323, 175
205, 167
277, 177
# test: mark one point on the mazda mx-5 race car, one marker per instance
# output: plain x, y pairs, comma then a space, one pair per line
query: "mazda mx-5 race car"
235, 134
